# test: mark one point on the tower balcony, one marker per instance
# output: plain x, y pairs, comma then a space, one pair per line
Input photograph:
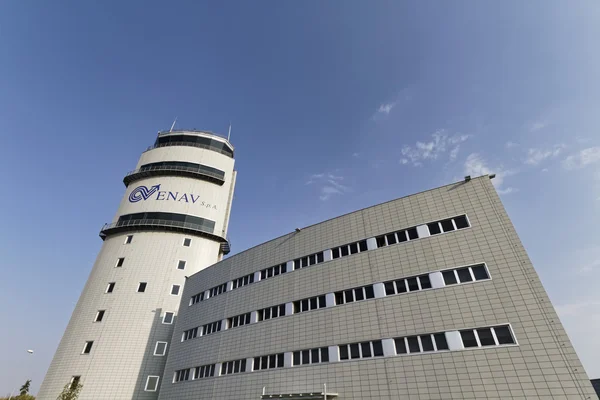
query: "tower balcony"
175, 170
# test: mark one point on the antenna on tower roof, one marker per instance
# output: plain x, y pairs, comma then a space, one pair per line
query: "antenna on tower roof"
229, 133
173, 126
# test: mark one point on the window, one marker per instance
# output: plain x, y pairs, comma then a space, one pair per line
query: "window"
485, 337
110, 287
182, 375
152, 383
352, 295
128, 239
205, 371
87, 348
160, 349
421, 343
99, 316
349, 249
312, 356
413, 284
168, 318
313, 303
233, 367
189, 334
142, 287
181, 264
271, 312
187, 242
448, 225
361, 350
75, 381
268, 362
434, 228
461, 222
120, 262
197, 298
175, 290
273, 271
211, 328
238, 320
308, 260
166, 218
217, 290
466, 274
243, 281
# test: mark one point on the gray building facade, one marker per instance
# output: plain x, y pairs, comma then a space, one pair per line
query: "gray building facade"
431, 296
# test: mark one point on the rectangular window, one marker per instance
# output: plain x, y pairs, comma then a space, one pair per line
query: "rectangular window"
324, 354
413, 285
152, 383
74, 381
504, 335
401, 236
110, 287
480, 272
464, 275
160, 349
425, 282
296, 358
141, 287
120, 262
128, 239
168, 318
99, 316
485, 337
412, 233
389, 288
87, 348
369, 292
354, 351
365, 349
401, 286
187, 242
427, 343
434, 228
381, 241
181, 264
447, 225
377, 348
175, 290
413, 344
362, 245
343, 352
391, 238
449, 278
461, 222
400, 346
468, 338
440, 341
335, 253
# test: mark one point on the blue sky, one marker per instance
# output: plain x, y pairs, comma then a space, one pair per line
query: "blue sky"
335, 106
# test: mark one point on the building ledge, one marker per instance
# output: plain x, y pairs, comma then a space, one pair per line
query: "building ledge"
301, 396
172, 171
163, 225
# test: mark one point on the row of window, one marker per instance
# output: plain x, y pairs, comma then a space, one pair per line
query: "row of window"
311, 356
183, 165
500, 335
141, 288
205, 371
233, 367
349, 249
355, 351
356, 294
313, 303
196, 141
175, 219
243, 281
447, 225
453, 276
271, 312
420, 282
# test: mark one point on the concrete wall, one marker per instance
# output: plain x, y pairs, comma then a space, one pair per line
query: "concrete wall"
542, 365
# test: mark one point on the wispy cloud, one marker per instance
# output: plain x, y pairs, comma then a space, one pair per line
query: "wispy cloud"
329, 185
537, 125
432, 150
510, 145
536, 156
475, 165
386, 108
583, 158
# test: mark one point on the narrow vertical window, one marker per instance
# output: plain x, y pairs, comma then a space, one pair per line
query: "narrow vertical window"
187, 242
120, 262
128, 239
175, 290
99, 316
142, 287
151, 383
74, 381
181, 264
87, 348
160, 349
110, 287
168, 318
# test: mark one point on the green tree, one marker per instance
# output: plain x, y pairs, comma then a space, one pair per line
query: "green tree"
70, 391
25, 388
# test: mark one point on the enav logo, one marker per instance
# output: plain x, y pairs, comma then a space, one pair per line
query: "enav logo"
143, 193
